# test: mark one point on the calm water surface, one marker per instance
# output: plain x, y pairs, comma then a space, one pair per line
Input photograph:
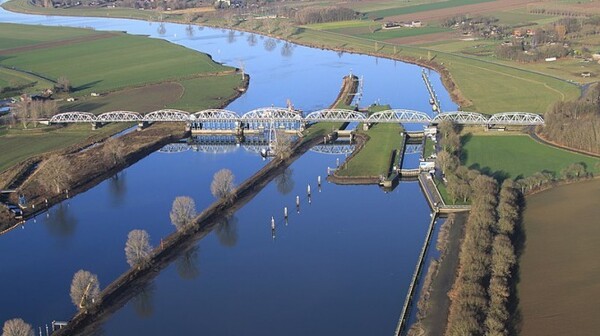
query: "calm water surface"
342, 265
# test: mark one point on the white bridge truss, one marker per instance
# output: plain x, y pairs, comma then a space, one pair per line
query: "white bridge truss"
284, 118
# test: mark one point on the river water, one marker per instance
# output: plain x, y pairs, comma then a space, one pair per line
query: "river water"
341, 265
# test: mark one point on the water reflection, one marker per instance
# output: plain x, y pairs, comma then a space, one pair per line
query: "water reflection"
189, 31
161, 30
187, 264
61, 222
252, 40
270, 44
287, 50
231, 36
285, 182
143, 302
117, 187
227, 231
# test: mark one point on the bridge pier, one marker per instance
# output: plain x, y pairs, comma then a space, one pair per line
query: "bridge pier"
142, 125
96, 125
188, 127
366, 126
239, 128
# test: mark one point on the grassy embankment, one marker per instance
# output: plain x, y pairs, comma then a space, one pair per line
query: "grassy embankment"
374, 158
133, 73
559, 275
517, 156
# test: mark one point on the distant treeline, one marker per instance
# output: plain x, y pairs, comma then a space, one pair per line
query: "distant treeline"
575, 124
323, 14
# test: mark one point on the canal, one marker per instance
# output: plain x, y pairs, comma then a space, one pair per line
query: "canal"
341, 265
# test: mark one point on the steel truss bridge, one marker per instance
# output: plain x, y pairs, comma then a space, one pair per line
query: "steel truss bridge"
223, 144
284, 118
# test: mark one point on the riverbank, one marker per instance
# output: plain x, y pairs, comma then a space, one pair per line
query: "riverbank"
447, 80
434, 301
86, 170
127, 285
560, 257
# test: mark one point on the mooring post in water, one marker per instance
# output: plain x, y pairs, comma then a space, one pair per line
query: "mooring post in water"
319, 180
285, 213
298, 204
337, 162
273, 227
308, 190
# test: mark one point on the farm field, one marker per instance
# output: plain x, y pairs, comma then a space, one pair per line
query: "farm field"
515, 156
123, 61
423, 7
16, 145
132, 73
559, 275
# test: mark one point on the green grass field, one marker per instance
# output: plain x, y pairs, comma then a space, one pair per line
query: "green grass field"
122, 60
15, 35
139, 74
387, 34
429, 147
17, 145
422, 8
200, 93
370, 161
517, 156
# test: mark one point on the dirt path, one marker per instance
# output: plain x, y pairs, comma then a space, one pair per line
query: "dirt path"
58, 43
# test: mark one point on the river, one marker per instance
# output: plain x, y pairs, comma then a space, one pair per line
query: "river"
341, 265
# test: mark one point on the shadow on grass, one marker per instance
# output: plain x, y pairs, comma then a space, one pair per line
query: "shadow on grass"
86, 86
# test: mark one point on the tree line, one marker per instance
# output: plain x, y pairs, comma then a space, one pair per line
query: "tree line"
85, 289
310, 15
575, 124
482, 289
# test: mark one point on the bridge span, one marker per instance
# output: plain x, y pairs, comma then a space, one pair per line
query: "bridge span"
288, 119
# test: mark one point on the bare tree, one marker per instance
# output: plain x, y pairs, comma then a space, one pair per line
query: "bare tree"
55, 173
85, 289
17, 327
446, 161
137, 248
222, 184
22, 110
283, 144
63, 84
182, 212
114, 150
